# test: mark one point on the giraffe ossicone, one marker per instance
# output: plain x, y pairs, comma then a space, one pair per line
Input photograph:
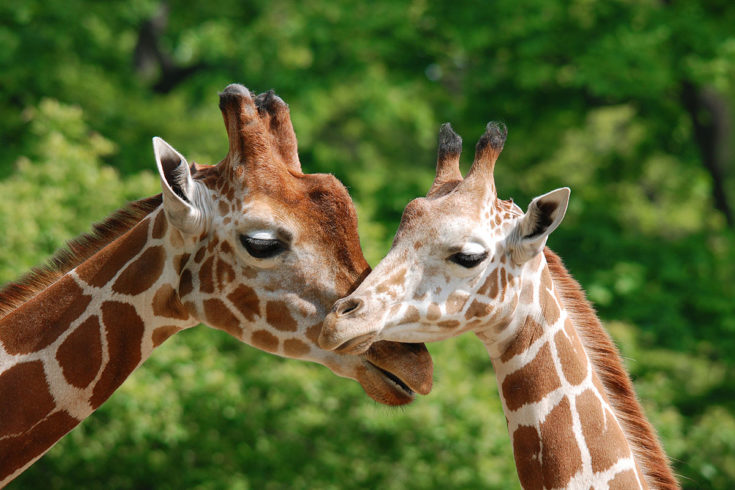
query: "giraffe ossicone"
252, 246
464, 260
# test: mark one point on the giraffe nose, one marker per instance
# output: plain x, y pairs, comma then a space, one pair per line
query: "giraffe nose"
347, 306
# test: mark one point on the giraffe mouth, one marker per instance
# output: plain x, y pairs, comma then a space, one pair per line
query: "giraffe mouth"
394, 379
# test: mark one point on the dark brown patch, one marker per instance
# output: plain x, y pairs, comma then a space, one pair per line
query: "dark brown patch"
159, 226
108, 262
25, 398
166, 303
624, 480
225, 248
433, 312
561, 455
532, 382
15, 452
185, 285
529, 333
548, 307
527, 454
161, 334
38, 323
246, 301
141, 274
180, 261
224, 208
220, 317
224, 273
80, 355
124, 332
449, 323
604, 439
200, 254
478, 309
573, 361
206, 281
295, 348
490, 287
278, 316
312, 333
264, 340
456, 302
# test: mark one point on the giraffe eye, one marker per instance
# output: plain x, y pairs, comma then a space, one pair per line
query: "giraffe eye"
262, 248
468, 260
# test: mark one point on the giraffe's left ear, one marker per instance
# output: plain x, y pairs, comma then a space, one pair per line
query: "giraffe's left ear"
183, 199
543, 216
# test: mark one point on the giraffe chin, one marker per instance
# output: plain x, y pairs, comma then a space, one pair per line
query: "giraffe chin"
392, 373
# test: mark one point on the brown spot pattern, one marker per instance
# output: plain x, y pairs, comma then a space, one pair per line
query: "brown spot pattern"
15, 452
529, 333
38, 323
124, 332
411, 316
548, 307
561, 455
200, 254
478, 309
295, 348
433, 313
312, 333
99, 270
167, 304
490, 287
206, 281
161, 334
456, 302
186, 285
26, 398
623, 481
141, 274
225, 273
246, 301
220, 317
606, 442
532, 382
159, 226
526, 296
264, 340
449, 323
573, 361
278, 316
80, 355
527, 455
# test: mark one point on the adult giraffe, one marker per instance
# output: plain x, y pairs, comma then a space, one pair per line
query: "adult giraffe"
463, 259
251, 246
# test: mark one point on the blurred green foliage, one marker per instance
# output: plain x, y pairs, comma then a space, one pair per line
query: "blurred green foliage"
607, 97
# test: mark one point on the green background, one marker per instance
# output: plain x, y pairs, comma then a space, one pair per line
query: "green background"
630, 103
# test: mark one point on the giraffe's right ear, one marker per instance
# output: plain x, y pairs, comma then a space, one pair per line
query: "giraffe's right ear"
183, 200
543, 216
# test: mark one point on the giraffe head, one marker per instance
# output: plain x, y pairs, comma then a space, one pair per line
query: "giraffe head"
457, 258
264, 250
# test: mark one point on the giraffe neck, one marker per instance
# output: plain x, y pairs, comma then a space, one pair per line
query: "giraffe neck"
564, 429
68, 348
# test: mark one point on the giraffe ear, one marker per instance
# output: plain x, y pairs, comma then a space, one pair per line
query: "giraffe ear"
183, 200
543, 216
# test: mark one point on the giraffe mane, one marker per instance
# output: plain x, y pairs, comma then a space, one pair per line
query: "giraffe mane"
76, 251
608, 365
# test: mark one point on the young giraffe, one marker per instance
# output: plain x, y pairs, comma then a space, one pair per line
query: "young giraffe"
251, 246
463, 259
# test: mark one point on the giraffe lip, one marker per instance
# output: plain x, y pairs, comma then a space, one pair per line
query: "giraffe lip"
393, 379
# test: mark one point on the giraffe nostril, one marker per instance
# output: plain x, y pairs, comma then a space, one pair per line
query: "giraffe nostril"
347, 306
